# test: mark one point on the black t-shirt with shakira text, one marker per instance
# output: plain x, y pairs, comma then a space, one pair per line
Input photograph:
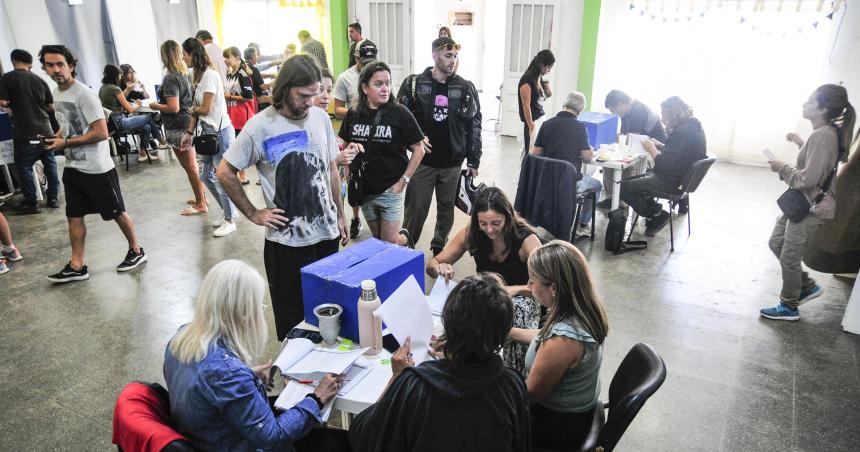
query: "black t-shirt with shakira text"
385, 143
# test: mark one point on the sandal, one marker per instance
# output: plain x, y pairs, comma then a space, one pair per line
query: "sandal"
193, 210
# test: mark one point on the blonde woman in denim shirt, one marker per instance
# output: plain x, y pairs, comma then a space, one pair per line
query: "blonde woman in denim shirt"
217, 400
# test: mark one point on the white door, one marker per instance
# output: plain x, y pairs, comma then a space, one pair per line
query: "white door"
531, 26
388, 23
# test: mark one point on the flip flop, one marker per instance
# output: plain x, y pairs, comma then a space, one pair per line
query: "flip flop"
191, 210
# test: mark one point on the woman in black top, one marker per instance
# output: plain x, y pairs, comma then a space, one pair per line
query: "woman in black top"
380, 130
533, 90
131, 87
500, 242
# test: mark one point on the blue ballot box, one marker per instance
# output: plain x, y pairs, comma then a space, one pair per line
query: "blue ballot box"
337, 278
602, 127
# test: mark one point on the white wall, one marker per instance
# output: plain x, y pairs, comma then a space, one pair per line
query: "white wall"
29, 28
843, 65
565, 73
136, 45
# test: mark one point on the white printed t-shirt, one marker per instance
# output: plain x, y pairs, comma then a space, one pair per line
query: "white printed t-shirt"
76, 108
293, 158
346, 87
211, 83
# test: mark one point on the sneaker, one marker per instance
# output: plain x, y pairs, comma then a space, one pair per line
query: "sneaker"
132, 260
605, 204
583, 230
781, 312
810, 294
405, 233
52, 204
657, 223
355, 228
217, 223
3, 267
27, 208
7, 196
68, 274
141, 158
226, 228
14, 255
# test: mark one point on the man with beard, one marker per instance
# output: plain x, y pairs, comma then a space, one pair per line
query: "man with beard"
294, 149
449, 112
90, 180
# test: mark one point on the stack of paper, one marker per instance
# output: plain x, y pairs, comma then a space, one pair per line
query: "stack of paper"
303, 360
407, 314
294, 392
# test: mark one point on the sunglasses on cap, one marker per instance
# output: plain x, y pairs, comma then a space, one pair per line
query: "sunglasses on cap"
449, 47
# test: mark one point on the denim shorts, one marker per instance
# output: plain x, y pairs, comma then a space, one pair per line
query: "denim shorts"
386, 205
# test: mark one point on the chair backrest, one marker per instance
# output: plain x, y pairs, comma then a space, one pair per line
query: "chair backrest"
141, 421
638, 377
696, 174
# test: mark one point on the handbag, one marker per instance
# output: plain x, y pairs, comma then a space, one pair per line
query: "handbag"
358, 167
467, 191
207, 143
794, 204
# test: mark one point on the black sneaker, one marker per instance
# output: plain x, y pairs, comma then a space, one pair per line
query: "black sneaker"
68, 274
605, 204
52, 204
657, 223
405, 233
27, 208
355, 228
683, 206
132, 260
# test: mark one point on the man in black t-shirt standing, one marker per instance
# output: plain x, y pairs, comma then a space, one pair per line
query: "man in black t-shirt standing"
636, 118
449, 112
31, 102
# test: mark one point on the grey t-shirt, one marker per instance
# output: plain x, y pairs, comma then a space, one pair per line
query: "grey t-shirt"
177, 85
107, 95
346, 87
293, 159
77, 108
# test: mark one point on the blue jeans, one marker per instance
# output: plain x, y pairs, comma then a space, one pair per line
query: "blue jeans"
588, 183
143, 124
26, 155
207, 175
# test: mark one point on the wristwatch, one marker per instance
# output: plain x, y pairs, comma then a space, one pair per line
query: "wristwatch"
406, 178
316, 399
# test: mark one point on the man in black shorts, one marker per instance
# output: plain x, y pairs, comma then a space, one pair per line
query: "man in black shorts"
89, 179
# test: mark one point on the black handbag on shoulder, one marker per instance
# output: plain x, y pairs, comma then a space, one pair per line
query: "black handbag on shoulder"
794, 204
206, 142
355, 185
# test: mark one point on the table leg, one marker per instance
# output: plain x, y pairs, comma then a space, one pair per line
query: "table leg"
8, 177
616, 192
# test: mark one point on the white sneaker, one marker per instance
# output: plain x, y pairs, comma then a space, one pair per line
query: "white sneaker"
217, 223
226, 228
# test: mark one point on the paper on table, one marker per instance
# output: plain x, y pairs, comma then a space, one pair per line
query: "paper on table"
352, 377
293, 351
300, 357
294, 392
635, 146
439, 294
406, 314
770, 155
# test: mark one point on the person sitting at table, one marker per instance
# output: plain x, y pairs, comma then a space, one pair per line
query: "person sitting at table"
500, 242
636, 118
465, 399
132, 88
217, 400
564, 357
113, 98
685, 145
565, 138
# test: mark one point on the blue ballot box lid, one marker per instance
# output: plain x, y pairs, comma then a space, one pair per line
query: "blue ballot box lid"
369, 259
602, 127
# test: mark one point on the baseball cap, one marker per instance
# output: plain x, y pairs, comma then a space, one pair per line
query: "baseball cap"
366, 51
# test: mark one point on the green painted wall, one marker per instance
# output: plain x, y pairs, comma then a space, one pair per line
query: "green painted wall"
339, 39
588, 51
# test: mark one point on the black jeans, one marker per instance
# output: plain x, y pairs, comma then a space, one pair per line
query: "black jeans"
638, 193
526, 140
26, 155
283, 270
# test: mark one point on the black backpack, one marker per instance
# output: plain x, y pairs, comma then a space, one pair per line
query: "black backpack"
615, 234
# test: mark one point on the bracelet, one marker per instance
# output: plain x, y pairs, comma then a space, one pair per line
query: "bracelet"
65, 142
316, 399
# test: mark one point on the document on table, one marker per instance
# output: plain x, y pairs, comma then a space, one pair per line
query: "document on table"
294, 392
302, 359
352, 377
407, 314
635, 141
770, 155
439, 295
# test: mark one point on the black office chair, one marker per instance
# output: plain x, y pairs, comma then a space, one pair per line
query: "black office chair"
580, 204
688, 185
120, 138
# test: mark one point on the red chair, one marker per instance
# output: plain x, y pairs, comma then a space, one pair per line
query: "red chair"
141, 421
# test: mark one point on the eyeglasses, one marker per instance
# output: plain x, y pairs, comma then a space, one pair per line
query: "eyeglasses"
449, 47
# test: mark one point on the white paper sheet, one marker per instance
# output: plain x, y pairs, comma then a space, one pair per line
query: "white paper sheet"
439, 294
770, 155
294, 392
293, 351
300, 359
635, 143
407, 313
352, 377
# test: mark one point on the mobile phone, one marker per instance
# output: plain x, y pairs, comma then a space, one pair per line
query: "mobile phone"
313, 336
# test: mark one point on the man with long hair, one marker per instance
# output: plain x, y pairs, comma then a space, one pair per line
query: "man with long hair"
294, 148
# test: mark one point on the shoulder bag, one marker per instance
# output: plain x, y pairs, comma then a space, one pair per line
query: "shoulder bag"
794, 204
357, 169
207, 143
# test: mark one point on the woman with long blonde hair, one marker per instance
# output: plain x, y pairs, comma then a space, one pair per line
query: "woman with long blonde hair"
217, 400
564, 357
175, 92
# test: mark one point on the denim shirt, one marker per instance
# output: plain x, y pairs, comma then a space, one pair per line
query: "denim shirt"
219, 404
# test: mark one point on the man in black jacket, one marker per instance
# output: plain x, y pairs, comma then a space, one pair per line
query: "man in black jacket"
684, 146
449, 112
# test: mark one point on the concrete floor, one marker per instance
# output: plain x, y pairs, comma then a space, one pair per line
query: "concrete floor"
735, 381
